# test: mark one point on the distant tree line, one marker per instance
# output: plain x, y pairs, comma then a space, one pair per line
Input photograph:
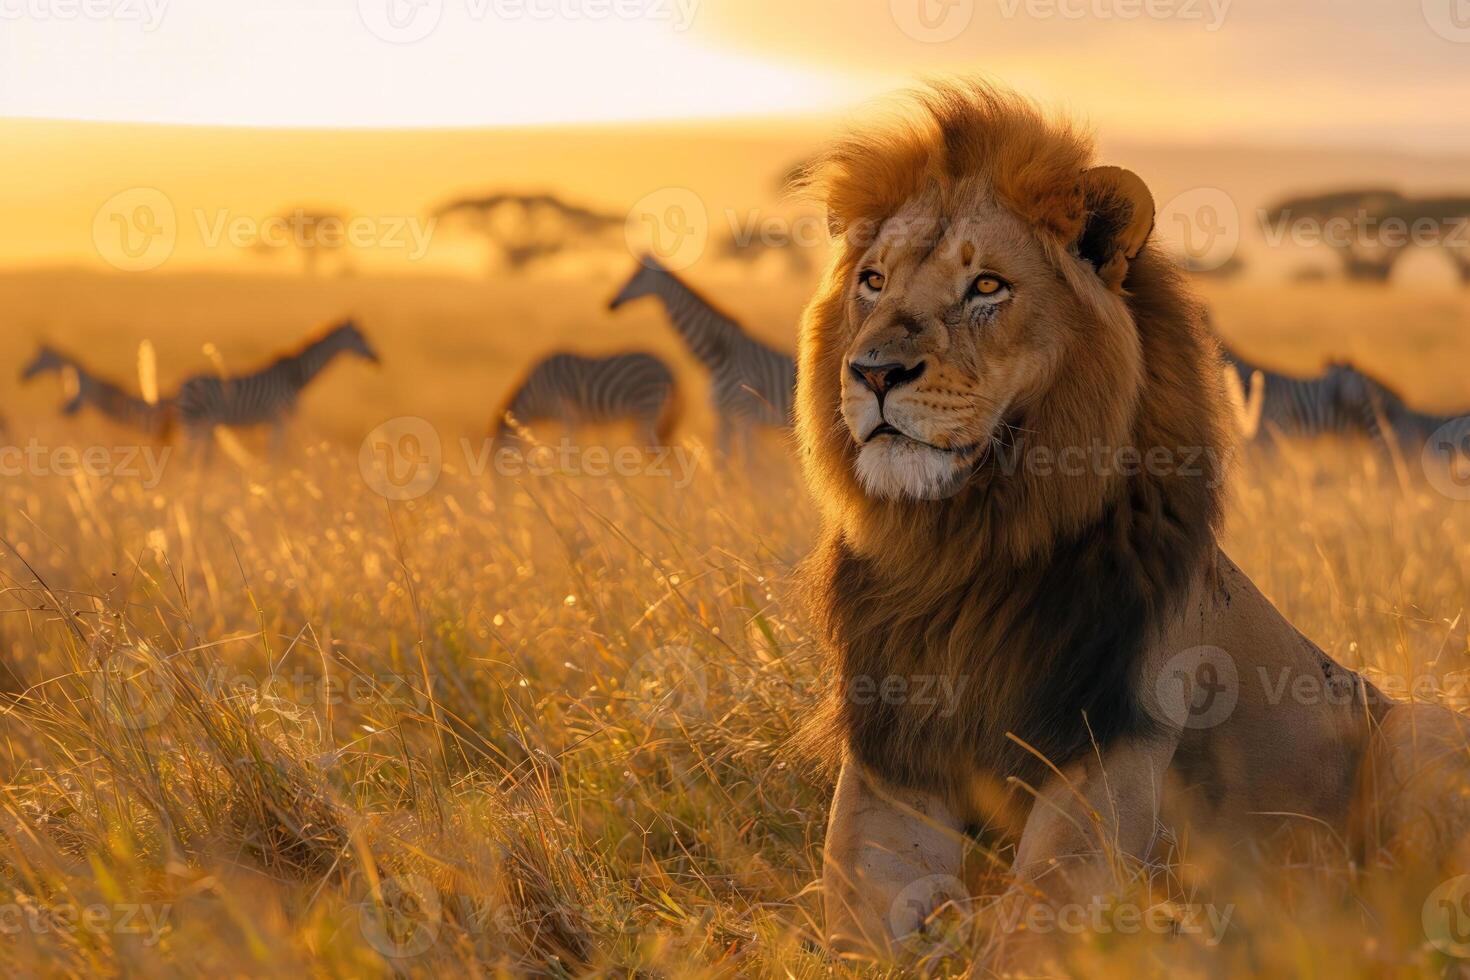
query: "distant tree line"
1370, 229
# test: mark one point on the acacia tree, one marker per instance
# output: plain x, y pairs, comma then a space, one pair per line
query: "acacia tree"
1450, 217
314, 233
1371, 229
525, 228
1339, 220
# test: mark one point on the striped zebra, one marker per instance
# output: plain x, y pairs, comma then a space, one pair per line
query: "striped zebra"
1412, 431
154, 418
573, 390
1346, 401
750, 384
1334, 403
267, 396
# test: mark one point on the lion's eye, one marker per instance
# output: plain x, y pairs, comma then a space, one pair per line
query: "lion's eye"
988, 285
873, 279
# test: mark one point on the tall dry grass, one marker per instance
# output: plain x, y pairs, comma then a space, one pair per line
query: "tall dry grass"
538, 728
261, 720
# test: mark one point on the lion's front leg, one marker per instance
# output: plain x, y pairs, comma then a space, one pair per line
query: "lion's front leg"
891, 858
1101, 810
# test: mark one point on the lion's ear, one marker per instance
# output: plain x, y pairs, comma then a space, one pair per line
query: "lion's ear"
1120, 215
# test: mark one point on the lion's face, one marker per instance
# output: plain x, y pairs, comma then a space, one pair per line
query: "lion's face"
948, 336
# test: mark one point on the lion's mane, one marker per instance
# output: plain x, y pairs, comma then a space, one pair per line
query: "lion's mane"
1033, 596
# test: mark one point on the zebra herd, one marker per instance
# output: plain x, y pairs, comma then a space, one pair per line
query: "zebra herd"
752, 386
263, 397
1342, 400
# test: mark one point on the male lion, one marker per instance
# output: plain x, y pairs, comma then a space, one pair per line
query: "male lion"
1014, 420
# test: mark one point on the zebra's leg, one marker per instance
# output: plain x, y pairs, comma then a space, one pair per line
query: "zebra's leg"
647, 432
278, 437
723, 433
745, 444
200, 438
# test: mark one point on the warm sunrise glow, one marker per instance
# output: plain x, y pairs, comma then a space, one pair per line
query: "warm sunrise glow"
388, 63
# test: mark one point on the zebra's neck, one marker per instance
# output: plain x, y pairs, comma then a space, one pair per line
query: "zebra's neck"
710, 335
111, 400
303, 367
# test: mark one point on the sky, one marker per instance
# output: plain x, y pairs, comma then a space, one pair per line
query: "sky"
1352, 72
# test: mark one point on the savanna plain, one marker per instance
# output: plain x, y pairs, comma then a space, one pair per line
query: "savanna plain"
259, 717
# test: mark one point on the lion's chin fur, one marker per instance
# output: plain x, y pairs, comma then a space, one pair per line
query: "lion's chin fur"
897, 468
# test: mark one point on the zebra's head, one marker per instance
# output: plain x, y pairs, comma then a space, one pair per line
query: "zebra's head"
643, 282
350, 338
47, 359
1355, 394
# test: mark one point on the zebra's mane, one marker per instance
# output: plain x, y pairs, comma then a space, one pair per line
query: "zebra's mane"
311, 343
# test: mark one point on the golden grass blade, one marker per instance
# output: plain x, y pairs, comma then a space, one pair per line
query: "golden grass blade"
148, 371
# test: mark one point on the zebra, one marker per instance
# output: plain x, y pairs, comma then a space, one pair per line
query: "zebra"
750, 384
154, 418
1411, 431
1344, 400
267, 396
574, 390
1334, 403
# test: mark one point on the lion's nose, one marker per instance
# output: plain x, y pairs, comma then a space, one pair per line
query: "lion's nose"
880, 379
